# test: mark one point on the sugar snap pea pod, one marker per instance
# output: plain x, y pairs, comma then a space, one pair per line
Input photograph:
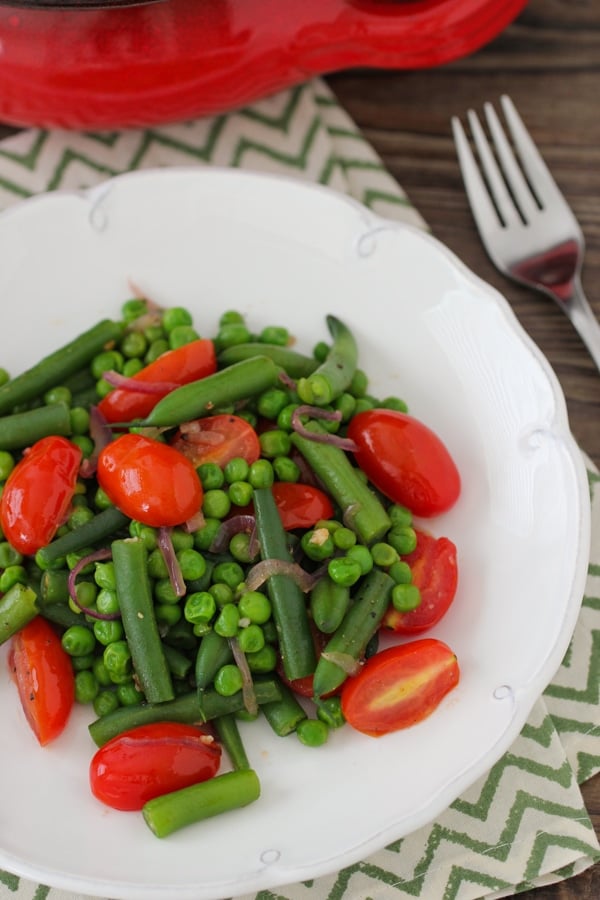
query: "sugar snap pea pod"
231, 790
199, 398
18, 606
22, 429
363, 511
134, 594
214, 651
335, 373
59, 365
329, 604
105, 524
296, 365
284, 715
287, 600
231, 739
185, 708
358, 626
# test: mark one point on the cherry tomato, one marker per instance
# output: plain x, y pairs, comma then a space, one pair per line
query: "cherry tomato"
399, 686
435, 572
44, 676
149, 481
151, 760
301, 505
218, 439
38, 493
180, 366
405, 460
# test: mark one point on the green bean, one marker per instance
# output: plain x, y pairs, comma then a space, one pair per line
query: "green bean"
185, 708
363, 511
62, 363
229, 735
356, 630
329, 604
295, 364
231, 790
200, 398
287, 600
17, 607
214, 651
284, 715
25, 428
102, 526
139, 620
62, 614
335, 373
179, 664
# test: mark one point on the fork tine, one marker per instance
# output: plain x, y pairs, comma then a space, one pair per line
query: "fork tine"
512, 172
493, 175
482, 207
534, 166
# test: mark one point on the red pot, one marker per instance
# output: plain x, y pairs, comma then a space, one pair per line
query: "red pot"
177, 59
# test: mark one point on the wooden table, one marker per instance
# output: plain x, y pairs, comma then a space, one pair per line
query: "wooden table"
548, 61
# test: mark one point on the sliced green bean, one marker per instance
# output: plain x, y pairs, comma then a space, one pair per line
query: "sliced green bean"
334, 375
363, 511
287, 600
200, 398
23, 429
17, 607
296, 365
214, 651
356, 630
229, 735
185, 708
284, 715
135, 597
62, 614
231, 790
62, 363
104, 525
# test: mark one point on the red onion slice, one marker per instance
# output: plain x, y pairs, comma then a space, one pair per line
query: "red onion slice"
96, 556
165, 545
248, 693
115, 379
263, 570
315, 412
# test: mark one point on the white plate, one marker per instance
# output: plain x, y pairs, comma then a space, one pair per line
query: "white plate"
286, 253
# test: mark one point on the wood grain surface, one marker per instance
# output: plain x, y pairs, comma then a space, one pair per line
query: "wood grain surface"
548, 61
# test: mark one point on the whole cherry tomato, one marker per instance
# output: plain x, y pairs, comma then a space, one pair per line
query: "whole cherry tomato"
218, 439
301, 505
38, 493
44, 676
399, 686
180, 366
149, 481
151, 760
434, 570
405, 460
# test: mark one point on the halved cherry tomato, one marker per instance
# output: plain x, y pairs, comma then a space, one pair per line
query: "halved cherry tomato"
301, 505
149, 481
435, 572
399, 686
405, 460
218, 439
44, 676
151, 760
180, 366
38, 493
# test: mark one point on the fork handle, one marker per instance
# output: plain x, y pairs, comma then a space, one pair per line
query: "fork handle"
584, 321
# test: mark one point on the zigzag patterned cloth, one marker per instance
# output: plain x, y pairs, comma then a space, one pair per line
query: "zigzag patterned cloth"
525, 823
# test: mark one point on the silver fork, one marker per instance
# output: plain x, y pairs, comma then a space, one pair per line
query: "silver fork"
525, 223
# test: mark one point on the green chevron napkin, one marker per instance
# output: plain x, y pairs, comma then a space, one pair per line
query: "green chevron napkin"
522, 825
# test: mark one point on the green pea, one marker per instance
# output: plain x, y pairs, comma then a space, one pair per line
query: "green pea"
175, 316
362, 555
7, 464
329, 711
216, 504
211, 476
156, 565
199, 607
236, 469
403, 539
9, 556
271, 402
133, 345
286, 469
133, 309
231, 316
363, 404
204, 537
13, 575
384, 555
156, 349
312, 732
101, 499
359, 384
80, 420
399, 515
285, 416
132, 366
229, 572
181, 540
320, 351
400, 572
105, 702
395, 403
167, 613
231, 334
346, 405
261, 474
85, 444
164, 591
106, 601
240, 493
56, 395
80, 516
241, 548
251, 638
192, 564
262, 661
344, 570
182, 335
275, 334
154, 333
86, 687
100, 672
318, 544
227, 621
117, 659
104, 575
228, 680
78, 640
343, 538
107, 633
275, 443
405, 597
79, 663
222, 593
255, 606
128, 694
107, 361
